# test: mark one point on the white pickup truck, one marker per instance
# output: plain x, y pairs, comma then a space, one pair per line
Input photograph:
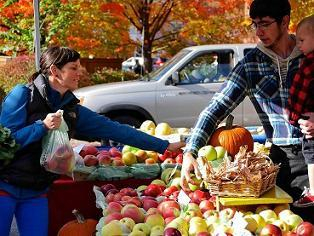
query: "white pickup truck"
176, 93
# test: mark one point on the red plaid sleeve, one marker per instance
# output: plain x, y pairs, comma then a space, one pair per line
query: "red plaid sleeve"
301, 96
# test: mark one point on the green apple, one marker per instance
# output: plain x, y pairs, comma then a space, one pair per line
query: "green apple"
157, 230
176, 182
221, 152
195, 186
282, 225
285, 213
209, 152
268, 215
159, 182
141, 188
128, 222
126, 148
293, 221
142, 227
137, 233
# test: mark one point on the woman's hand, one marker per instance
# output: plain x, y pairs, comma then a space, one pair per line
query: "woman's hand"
189, 164
307, 126
52, 120
174, 147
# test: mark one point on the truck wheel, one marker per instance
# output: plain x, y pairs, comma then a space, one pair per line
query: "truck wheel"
129, 120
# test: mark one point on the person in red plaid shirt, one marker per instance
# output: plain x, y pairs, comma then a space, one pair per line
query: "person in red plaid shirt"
301, 100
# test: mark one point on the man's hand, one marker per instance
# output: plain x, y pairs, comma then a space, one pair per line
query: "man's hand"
189, 164
307, 125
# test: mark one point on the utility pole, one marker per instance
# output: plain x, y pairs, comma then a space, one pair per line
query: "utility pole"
36, 34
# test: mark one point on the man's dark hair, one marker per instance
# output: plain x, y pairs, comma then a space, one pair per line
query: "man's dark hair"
276, 9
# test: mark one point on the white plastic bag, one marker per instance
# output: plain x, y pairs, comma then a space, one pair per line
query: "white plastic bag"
57, 154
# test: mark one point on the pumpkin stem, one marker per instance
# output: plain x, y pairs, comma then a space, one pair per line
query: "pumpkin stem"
229, 121
79, 217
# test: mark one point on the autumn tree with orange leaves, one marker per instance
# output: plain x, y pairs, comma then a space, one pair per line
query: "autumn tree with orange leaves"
117, 28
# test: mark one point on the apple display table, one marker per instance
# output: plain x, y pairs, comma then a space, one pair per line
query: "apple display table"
274, 196
66, 195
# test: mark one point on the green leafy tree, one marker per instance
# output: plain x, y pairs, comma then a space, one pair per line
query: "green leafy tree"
17, 23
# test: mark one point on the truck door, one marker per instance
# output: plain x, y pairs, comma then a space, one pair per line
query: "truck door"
199, 79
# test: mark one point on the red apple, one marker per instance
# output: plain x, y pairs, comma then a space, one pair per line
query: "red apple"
90, 160
169, 219
179, 158
169, 161
88, 150
106, 187
198, 195
104, 159
117, 162
114, 191
170, 212
135, 201
110, 197
172, 232
168, 191
148, 203
129, 192
305, 229
153, 190
133, 212
206, 205
152, 211
167, 204
114, 152
270, 230
167, 154
113, 216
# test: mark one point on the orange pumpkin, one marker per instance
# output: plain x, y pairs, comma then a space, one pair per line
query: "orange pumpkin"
78, 227
232, 137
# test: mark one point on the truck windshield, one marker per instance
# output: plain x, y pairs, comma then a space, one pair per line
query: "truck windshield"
157, 74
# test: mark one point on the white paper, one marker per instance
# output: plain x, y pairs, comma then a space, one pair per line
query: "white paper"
183, 198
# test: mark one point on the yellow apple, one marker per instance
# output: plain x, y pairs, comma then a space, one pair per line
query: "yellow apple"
279, 208
163, 129
113, 228
153, 155
251, 223
147, 125
129, 158
154, 219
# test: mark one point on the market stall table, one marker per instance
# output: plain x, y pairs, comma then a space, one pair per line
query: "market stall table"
66, 195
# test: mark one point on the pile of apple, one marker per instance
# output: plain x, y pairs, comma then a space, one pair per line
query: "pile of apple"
162, 129
154, 210
114, 157
147, 210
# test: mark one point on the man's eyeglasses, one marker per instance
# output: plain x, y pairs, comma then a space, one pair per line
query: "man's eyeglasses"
261, 25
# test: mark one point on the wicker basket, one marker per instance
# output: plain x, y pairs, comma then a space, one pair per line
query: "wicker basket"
243, 189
